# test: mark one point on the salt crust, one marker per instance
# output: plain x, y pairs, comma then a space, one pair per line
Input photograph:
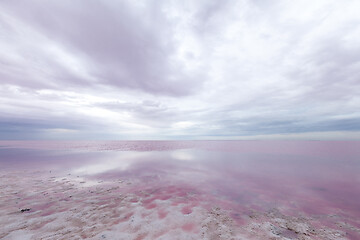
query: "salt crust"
67, 208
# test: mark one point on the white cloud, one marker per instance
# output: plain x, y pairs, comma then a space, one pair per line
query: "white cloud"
192, 69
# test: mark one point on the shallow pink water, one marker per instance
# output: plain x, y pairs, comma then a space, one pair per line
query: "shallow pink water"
315, 180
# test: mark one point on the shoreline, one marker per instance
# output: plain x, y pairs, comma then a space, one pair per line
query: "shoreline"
62, 207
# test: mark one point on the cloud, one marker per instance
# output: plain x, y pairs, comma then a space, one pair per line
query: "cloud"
169, 70
103, 43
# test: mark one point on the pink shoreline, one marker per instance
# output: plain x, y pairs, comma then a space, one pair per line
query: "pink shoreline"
67, 209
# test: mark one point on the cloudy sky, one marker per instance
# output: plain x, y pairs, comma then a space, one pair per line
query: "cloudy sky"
226, 69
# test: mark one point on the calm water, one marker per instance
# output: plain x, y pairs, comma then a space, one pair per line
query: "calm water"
305, 178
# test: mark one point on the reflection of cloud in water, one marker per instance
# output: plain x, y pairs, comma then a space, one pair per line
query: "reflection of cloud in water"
120, 161
183, 155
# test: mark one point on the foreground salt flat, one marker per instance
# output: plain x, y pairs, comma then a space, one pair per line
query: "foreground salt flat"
151, 197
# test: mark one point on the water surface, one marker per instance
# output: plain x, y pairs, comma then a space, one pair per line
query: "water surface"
294, 189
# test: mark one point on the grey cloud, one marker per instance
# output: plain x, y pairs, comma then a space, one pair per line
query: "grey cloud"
203, 68
53, 127
331, 72
258, 126
126, 48
150, 112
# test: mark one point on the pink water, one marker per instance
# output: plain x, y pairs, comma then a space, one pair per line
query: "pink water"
251, 189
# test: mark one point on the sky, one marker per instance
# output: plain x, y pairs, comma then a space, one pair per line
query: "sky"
163, 69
